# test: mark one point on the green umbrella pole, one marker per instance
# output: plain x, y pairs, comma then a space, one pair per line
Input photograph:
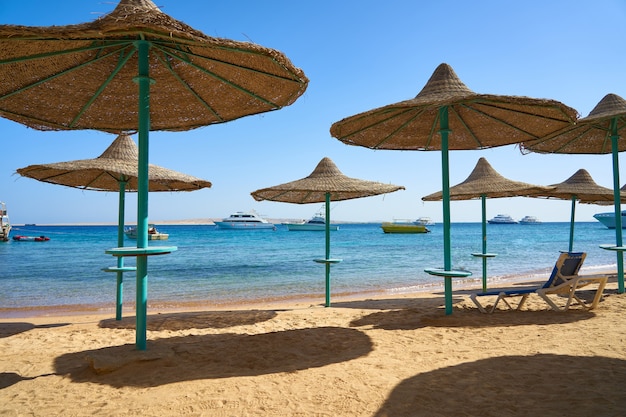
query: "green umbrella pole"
327, 208
445, 178
483, 200
142, 193
571, 225
618, 211
119, 295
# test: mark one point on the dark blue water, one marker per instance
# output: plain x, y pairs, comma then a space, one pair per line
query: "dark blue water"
234, 266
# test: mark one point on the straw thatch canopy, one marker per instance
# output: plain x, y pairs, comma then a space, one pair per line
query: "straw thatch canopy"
591, 134
82, 76
119, 162
325, 178
476, 121
486, 181
583, 188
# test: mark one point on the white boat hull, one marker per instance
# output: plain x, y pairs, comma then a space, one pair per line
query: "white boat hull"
244, 225
310, 227
608, 219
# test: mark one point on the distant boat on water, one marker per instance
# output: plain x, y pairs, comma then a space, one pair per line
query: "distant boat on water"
404, 226
315, 223
502, 219
426, 221
530, 220
153, 233
608, 219
245, 220
5, 224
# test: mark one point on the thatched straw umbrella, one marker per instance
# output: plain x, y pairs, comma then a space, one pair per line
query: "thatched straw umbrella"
583, 188
115, 170
485, 182
598, 133
324, 184
446, 105
84, 77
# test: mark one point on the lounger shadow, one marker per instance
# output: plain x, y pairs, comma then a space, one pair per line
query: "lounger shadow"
563, 281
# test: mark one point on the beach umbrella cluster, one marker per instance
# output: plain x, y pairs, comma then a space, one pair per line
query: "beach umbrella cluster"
598, 133
138, 69
114, 170
446, 115
324, 184
485, 182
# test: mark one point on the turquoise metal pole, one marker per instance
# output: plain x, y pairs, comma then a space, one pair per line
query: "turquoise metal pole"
119, 296
327, 249
483, 199
445, 178
617, 204
571, 226
142, 193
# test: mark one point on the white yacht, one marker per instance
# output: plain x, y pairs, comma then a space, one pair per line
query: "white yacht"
5, 225
608, 219
315, 223
502, 219
530, 220
424, 221
245, 220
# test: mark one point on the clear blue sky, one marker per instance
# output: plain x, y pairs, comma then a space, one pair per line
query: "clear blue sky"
358, 55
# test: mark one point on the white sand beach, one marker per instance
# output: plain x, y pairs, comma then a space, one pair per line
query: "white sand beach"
384, 356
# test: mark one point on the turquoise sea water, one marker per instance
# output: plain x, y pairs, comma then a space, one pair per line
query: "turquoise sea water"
216, 266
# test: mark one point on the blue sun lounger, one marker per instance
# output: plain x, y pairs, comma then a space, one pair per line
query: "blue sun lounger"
564, 281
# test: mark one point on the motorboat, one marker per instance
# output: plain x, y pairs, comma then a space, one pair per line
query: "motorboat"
22, 238
5, 224
530, 220
153, 233
426, 221
315, 223
502, 219
608, 219
404, 226
244, 220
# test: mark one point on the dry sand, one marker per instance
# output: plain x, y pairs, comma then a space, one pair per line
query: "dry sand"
399, 356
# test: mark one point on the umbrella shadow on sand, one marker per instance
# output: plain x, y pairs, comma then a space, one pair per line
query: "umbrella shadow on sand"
214, 356
195, 320
11, 329
537, 385
11, 378
424, 316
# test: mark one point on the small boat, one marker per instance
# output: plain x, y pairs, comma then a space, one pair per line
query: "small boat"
245, 220
502, 219
153, 233
404, 226
426, 221
22, 238
315, 223
5, 224
530, 220
608, 219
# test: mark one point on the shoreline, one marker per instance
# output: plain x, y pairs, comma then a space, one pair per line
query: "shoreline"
156, 306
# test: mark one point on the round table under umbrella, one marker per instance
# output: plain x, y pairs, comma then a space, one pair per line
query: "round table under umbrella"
485, 182
84, 76
324, 184
598, 133
447, 109
114, 170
